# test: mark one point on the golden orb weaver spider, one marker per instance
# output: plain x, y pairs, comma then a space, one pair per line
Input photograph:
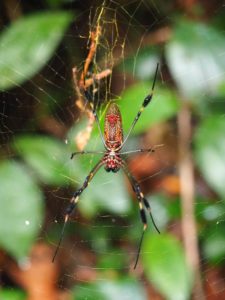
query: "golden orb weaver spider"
113, 142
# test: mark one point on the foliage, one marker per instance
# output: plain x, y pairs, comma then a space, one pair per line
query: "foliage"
125, 288
37, 52
21, 209
20, 62
209, 152
165, 265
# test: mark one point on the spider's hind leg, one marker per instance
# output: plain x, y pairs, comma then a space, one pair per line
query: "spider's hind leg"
142, 203
74, 200
148, 207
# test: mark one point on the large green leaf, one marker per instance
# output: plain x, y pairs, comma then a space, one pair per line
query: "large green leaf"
164, 264
21, 210
209, 152
28, 44
195, 59
164, 105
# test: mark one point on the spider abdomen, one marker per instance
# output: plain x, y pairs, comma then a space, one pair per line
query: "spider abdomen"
113, 131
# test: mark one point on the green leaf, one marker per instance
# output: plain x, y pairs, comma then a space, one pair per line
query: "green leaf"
194, 56
48, 157
165, 266
214, 243
110, 290
212, 212
6, 294
107, 191
50, 160
164, 105
21, 209
209, 152
27, 45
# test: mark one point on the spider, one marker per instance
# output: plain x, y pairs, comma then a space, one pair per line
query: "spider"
112, 160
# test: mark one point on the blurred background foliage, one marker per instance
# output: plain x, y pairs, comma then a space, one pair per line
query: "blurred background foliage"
40, 43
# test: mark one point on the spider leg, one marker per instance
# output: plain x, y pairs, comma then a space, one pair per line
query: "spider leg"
141, 200
147, 150
85, 152
74, 200
146, 101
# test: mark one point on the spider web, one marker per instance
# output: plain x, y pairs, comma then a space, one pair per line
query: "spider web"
106, 225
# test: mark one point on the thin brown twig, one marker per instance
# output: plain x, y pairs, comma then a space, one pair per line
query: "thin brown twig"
13, 9
82, 84
92, 51
186, 170
97, 77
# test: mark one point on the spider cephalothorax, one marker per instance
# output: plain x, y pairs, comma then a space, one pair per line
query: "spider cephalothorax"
112, 159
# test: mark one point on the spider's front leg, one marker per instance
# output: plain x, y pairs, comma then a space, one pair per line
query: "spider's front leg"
145, 103
74, 200
141, 200
85, 152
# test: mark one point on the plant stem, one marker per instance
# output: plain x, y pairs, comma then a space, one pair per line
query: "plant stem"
186, 170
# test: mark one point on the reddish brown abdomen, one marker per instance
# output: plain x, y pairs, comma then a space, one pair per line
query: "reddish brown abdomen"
113, 132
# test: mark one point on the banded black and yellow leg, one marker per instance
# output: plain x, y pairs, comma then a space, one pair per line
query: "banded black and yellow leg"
145, 103
74, 200
148, 207
142, 201
144, 221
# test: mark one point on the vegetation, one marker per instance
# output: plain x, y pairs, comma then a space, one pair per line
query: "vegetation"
43, 121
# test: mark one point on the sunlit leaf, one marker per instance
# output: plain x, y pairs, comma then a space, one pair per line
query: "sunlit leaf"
110, 290
164, 105
21, 209
195, 58
28, 44
165, 266
209, 152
